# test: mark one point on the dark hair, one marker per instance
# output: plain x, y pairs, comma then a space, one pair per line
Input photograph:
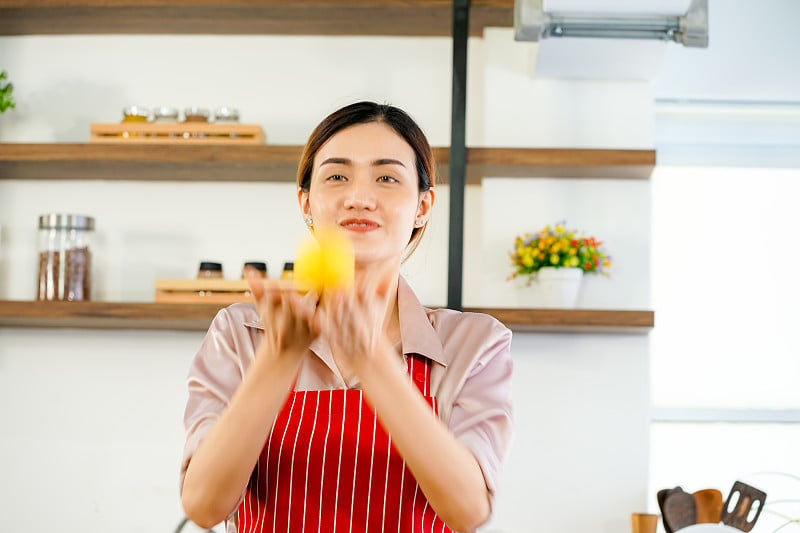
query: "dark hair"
363, 113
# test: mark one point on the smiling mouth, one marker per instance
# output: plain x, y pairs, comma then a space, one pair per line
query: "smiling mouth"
359, 225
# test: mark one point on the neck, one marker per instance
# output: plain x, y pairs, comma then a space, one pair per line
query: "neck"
387, 284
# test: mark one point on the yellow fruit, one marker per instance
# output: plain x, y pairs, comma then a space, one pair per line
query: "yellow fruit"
325, 261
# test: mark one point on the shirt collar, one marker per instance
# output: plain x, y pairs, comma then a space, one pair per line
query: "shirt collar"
416, 332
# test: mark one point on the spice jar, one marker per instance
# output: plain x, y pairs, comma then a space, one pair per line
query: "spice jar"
165, 114
209, 269
259, 266
288, 270
135, 113
226, 114
65, 259
195, 114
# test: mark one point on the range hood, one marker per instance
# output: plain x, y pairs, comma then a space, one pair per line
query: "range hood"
622, 39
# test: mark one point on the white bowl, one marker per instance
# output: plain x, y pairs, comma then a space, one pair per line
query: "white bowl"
709, 528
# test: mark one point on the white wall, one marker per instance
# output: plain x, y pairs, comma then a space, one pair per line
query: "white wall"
580, 455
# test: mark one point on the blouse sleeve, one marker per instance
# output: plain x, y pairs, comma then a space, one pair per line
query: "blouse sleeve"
481, 416
216, 372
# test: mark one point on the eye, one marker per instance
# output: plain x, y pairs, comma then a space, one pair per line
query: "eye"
387, 179
336, 177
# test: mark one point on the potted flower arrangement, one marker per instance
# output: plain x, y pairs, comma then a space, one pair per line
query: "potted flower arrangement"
6, 98
556, 259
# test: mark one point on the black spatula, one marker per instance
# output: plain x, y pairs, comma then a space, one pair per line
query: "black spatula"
748, 501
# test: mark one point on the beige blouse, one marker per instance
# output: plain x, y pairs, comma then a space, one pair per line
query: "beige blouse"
470, 374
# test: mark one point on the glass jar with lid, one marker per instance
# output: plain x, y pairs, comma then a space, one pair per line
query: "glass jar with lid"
65, 258
288, 271
165, 114
135, 113
228, 115
260, 267
195, 114
209, 270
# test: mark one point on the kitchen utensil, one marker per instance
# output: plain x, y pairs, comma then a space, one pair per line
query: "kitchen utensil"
661, 496
709, 506
743, 501
679, 510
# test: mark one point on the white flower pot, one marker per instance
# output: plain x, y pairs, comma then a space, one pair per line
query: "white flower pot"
552, 288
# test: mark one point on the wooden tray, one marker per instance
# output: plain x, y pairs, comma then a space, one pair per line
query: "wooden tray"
176, 133
213, 290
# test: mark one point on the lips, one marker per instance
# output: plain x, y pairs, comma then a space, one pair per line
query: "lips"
359, 225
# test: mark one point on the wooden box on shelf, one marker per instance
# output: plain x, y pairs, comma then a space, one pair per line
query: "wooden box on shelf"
176, 133
209, 291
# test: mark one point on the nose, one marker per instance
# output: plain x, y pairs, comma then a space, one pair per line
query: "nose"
360, 195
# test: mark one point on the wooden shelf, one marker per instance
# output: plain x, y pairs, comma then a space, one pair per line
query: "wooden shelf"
298, 17
279, 162
574, 320
197, 317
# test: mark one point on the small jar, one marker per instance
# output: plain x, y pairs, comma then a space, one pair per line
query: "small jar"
195, 114
209, 269
288, 271
259, 266
135, 113
65, 259
226, 115
165, 114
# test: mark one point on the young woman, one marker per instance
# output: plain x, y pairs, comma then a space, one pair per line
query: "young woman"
359, 410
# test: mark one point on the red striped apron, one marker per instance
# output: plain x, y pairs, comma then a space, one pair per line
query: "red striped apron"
329, 466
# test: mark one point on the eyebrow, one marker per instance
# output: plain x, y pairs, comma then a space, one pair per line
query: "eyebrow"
375, 162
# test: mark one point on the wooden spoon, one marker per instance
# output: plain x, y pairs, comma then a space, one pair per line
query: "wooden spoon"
709, 506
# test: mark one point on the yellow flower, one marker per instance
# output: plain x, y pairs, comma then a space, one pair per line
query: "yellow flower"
527, 261
554, 259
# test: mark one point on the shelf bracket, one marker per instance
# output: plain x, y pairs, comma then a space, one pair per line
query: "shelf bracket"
458, 155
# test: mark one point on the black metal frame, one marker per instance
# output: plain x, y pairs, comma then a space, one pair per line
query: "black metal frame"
458, 155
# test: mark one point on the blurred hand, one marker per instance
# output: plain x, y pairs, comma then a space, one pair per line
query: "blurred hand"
352, 321
289, 318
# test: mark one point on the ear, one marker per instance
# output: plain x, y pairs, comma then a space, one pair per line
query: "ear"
303, 202
426, 200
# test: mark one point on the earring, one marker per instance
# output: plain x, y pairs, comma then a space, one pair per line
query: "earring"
309, 221
419, 223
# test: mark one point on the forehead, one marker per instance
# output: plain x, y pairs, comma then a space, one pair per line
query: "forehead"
367, 142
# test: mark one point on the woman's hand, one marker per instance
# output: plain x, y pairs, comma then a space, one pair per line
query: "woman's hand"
289, 319
354, 323
223, 462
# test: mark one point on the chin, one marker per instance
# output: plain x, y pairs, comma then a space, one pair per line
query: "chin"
370, 259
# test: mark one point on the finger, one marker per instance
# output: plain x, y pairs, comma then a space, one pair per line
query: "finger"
269, 303
255, 282
303, 307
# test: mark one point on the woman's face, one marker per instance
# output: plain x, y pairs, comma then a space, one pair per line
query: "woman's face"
364, 180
